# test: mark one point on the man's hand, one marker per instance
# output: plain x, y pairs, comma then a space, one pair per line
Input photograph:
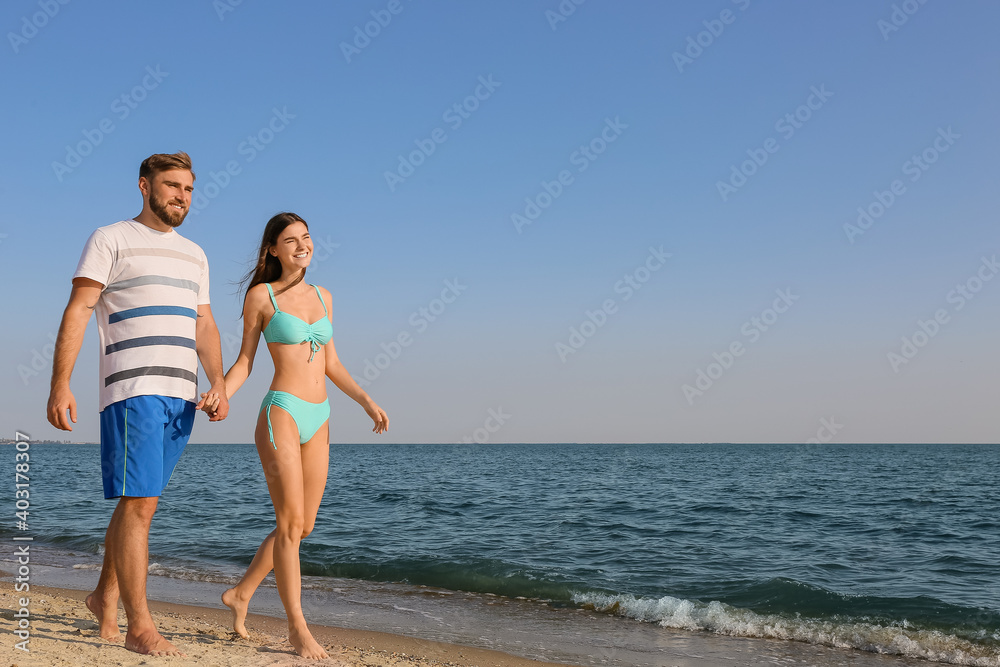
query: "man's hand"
61, 399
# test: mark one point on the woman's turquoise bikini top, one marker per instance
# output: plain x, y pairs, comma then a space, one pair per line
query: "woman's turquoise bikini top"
290, 330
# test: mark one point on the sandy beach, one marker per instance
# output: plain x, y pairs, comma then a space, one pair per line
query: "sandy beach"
64, 632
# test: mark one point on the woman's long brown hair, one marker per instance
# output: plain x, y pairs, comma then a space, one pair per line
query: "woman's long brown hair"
268, 268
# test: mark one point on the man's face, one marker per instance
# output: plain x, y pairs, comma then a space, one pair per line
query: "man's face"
170, 195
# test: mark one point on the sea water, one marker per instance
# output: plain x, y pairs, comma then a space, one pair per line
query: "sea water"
616, 550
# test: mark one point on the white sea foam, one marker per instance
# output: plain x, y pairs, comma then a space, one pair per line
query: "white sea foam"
670, 612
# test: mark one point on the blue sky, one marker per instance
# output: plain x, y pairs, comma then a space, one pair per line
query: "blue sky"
739, 138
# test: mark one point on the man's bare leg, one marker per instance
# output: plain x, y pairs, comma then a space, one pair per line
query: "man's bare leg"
132, 566
103, 602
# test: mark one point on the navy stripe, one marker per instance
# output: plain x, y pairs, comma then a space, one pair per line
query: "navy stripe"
166, 371
180, 341
152, 310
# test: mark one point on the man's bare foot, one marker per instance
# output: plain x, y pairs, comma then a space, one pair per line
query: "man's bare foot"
304, 644
107, 617
239, 609
151, 642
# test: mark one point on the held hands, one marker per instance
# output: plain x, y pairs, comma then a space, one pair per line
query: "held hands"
378, 416
215, 404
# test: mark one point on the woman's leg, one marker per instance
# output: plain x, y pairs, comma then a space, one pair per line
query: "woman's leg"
283, 468
282, 463
238, 597
315, 456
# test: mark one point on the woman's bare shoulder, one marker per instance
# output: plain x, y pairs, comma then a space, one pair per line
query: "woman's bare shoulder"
257, 298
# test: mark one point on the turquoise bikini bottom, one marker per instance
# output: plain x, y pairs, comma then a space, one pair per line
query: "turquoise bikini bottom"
309, 417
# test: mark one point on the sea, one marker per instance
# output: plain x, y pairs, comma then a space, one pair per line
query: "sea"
589, 554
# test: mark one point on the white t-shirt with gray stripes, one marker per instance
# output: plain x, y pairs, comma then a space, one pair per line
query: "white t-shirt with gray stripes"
148, 311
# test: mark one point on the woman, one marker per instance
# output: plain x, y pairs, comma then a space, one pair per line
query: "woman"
292, 435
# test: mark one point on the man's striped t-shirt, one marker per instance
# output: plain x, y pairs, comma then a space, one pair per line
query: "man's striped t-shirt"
148, 311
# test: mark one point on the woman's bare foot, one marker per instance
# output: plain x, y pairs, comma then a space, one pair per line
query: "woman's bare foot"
151, 642
239, 609
304, 644
107, 617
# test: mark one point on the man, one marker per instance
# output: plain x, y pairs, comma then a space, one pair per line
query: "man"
149, 286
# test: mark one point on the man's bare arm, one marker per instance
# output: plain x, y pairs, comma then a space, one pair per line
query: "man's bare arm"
209, 348
82, 301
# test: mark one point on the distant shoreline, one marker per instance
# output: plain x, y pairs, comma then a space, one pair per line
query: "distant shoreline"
9, 441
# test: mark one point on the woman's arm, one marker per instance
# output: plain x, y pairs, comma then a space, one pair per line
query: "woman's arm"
253, 319
345, 383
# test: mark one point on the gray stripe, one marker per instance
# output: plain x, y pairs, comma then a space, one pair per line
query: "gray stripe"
150, 340
166, 371
153, 280
158, 252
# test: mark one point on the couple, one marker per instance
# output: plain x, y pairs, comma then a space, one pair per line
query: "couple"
149, 288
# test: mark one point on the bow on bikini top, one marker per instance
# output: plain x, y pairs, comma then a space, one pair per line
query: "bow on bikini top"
290, 330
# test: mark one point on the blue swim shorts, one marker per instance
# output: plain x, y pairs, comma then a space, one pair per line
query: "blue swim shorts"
142, 439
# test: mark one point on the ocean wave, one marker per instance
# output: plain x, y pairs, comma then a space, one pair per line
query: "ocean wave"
861, 633
483, 576
190, 573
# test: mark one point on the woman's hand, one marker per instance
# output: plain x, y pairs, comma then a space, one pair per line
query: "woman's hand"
378, 416
209, 403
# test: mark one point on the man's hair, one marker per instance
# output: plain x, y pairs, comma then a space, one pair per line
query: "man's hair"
165, 162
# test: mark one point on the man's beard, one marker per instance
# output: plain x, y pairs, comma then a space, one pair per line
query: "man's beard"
167, 216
